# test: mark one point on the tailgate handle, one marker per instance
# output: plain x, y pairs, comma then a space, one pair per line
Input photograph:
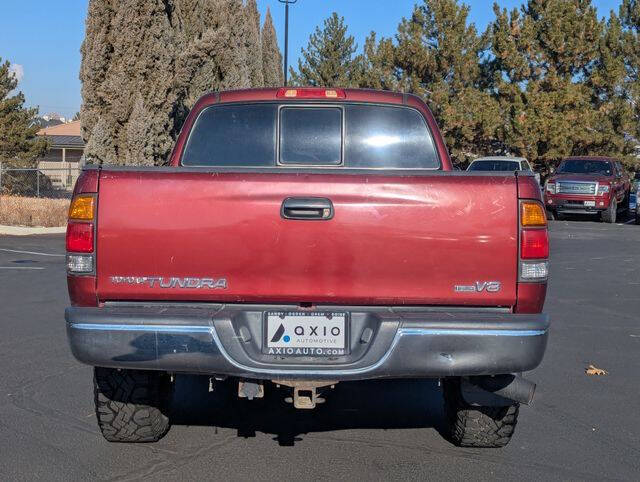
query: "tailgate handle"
307, 208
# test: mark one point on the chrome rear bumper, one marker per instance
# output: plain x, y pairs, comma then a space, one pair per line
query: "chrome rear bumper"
226, 340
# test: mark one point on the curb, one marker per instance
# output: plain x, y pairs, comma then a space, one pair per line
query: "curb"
27, 231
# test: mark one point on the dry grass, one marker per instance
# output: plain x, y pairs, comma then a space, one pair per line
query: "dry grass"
31, 211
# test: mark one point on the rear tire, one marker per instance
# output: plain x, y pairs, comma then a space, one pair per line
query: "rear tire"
637, 217
481, 427
132, 405
611, 213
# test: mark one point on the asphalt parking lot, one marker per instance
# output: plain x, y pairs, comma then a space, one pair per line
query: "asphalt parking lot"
579, 428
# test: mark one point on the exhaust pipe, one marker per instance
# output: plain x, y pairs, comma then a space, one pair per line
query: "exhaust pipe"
512, 387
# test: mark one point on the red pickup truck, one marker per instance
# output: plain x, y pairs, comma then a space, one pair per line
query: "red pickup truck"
588, 185
301, 238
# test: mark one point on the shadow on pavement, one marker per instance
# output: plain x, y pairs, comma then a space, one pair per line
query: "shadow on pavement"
622, 217
388, 404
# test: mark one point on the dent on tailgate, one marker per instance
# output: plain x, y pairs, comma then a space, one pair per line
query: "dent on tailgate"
393, 240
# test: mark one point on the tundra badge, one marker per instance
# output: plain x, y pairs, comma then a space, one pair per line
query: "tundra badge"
190, 283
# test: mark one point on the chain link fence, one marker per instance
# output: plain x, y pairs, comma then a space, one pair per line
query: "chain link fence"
42, 182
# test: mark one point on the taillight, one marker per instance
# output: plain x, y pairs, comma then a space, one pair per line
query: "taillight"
534, 242
532, 214
82, 207
80, 234
80, 237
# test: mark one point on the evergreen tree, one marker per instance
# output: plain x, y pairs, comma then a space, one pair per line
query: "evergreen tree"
548, 58
141, 80
19, 146
138, 69
213, 52
607, 84
329, 59
254, 44
379, 70
146, 62
440, 57
96, 56
271, 56
630, 20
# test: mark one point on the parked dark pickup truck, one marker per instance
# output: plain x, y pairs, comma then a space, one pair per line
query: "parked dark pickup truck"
588, 185
307, 237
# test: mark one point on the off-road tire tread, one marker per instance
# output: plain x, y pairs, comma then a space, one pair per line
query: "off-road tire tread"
131, 405
480, 427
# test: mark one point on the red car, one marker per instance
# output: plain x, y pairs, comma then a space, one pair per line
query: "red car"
307, 237
588, 185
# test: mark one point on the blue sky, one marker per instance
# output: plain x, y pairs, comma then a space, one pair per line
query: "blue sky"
44, 37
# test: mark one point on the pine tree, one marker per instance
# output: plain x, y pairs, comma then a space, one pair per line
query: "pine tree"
19, 146
630, 22
329, 59
254, 44
545, 56
440, 55
607, 84
271, 56
379, 70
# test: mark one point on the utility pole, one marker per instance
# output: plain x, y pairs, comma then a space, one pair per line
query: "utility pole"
286, 36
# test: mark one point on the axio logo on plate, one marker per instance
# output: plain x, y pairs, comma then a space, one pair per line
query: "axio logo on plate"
278, 335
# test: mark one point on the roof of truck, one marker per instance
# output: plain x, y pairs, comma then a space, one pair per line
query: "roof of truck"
280, 93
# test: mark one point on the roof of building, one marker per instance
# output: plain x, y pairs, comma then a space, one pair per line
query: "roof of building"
68, 129
66, 141
64, 135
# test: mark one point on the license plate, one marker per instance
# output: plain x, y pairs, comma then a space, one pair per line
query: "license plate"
590, 204
305, 334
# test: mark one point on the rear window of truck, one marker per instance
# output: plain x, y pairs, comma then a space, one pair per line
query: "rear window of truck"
349, 136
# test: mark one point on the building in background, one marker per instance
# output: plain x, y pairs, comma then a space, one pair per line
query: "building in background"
65, 154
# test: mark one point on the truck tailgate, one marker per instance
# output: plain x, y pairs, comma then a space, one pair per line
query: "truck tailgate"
394, 239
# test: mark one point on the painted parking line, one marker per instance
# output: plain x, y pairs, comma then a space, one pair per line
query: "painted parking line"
20, 267
31, 252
